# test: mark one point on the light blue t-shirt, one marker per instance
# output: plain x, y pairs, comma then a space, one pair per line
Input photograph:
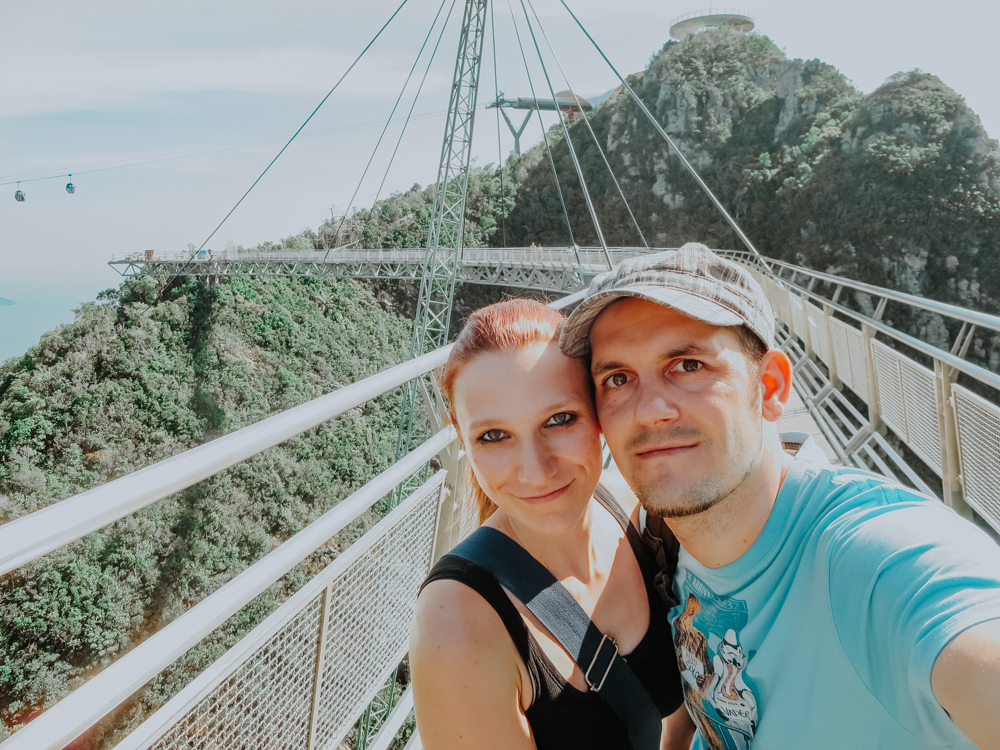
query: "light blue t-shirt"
824, 634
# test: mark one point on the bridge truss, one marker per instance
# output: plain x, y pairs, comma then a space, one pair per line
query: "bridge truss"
553, 270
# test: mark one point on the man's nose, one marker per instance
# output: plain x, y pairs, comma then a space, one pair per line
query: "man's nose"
654, 405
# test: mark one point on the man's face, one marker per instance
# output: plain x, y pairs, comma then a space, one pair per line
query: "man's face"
680, 405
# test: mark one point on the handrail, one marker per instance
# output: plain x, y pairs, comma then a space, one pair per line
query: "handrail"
984, 320
78, 711
36, 534
54, 526
947, 358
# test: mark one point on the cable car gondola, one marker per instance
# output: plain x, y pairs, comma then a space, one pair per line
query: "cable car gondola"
19, 195
70, 188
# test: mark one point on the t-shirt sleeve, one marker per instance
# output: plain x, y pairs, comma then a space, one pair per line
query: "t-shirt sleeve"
906, 577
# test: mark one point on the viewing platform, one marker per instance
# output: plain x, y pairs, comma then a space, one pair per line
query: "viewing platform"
691, 23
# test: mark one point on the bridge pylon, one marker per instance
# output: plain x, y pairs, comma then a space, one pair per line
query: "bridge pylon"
444, 239
437, 285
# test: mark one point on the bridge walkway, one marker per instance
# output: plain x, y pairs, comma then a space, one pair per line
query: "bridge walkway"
880, 398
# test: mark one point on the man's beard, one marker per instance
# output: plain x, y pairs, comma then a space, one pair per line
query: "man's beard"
664, 501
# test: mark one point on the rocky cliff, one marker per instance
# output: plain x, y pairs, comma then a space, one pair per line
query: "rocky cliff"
900, 188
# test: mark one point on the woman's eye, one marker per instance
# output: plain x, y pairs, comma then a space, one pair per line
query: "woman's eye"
560, 419
688, 365
617, 380
491, 436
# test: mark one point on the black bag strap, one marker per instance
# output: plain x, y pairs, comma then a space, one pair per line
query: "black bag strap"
605, 671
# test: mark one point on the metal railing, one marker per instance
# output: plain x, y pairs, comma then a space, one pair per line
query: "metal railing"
303, 677
591, 257
933, 424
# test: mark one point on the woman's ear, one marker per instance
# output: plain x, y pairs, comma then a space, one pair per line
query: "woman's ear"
775, 384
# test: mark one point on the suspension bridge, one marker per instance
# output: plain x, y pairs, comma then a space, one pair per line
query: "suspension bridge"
325, 663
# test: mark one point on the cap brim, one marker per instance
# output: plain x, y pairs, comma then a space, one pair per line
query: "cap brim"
575, 338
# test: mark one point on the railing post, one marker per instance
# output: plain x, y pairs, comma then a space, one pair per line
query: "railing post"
951, 465
874, 408
450, 506
324, 627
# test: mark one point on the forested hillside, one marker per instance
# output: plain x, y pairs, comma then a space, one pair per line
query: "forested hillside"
141, 375
900, 187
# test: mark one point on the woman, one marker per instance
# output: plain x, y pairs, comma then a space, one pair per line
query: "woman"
486, 673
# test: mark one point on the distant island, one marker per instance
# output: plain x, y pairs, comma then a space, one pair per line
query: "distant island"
4, 301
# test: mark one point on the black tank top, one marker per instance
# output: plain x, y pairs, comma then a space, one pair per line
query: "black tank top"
560, 715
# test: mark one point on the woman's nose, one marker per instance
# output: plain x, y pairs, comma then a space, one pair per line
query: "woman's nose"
654, 404
537, 464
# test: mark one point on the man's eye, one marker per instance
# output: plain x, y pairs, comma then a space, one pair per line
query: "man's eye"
492, 436
617, 380
688, 365
560, 419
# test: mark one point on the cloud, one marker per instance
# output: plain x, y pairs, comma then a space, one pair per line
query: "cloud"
113, 81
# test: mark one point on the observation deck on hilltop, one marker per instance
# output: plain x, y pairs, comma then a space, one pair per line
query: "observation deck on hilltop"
693, 22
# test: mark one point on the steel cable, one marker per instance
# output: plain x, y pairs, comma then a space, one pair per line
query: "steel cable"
548, 148
649, 115
586, 121
569, 142
399, 98
402, 133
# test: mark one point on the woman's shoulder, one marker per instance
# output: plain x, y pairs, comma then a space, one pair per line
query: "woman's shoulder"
458, 639
454, 613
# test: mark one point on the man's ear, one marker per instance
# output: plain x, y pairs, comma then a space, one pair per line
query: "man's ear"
775, 384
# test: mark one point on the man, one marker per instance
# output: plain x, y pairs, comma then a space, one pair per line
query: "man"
840, 610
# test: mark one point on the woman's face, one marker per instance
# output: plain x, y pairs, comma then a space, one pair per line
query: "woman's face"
531, 434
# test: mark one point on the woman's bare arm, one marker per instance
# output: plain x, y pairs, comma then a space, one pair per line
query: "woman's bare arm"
466, 674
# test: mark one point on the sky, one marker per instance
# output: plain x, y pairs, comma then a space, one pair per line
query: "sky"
89, 87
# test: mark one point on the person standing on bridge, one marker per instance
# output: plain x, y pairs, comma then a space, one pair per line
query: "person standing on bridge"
490, 669
812, 605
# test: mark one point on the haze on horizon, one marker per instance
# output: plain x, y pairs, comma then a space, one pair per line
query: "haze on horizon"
110, 81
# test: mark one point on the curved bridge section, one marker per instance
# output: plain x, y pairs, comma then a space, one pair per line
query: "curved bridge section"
555, 270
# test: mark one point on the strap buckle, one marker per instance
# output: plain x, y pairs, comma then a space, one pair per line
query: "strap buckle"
611, 661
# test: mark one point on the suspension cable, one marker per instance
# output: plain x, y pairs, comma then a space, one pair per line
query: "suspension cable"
586, 121
667, 138
268, 167
378, 143
500, 161
420, 88
569, 142
548, 148
301, 127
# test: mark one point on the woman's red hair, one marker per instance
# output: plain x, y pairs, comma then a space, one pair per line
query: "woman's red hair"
505, 326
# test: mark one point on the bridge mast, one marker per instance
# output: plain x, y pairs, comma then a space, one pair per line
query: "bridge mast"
444, 239
440, 272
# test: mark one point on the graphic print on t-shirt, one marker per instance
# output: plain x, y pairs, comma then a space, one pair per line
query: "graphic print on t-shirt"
713, 665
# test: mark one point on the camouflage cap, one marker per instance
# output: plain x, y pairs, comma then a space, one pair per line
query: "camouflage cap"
693, 280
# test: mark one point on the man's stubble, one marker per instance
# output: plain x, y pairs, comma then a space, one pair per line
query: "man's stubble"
661, 498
